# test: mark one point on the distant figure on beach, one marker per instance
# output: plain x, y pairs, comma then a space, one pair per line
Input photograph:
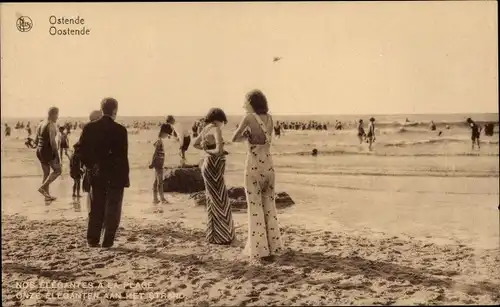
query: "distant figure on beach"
182, 135
220, 227
47, 152
264, 237
30, 143
194, 129
157, 163
277, 131
104, 148
76, 170
489, 129
8, 129
63, 143
95, 115
433, 126
371, 133
28, 129
476, 133
361, 131
440, 133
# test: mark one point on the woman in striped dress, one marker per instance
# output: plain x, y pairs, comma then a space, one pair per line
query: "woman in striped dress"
220, 227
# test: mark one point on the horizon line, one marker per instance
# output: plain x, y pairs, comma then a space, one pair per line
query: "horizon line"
276, 114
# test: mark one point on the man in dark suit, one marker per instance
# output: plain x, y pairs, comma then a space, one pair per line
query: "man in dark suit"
104, 149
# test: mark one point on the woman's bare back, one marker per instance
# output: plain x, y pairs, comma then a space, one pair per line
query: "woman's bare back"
258, 136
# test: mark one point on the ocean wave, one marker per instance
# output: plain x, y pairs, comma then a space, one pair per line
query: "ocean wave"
341, 152
437, 141
426, 124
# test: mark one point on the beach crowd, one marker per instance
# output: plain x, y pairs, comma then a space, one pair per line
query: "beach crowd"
99, 166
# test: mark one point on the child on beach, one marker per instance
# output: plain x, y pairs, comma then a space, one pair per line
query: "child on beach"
183, 136
371, 133
63, 143
157, 164
76, 170
476, 133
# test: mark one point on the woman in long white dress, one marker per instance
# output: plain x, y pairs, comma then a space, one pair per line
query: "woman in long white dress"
264, 236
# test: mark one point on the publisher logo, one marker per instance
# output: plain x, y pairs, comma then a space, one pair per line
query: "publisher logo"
24, 24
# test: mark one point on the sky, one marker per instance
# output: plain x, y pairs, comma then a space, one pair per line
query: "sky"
184, 58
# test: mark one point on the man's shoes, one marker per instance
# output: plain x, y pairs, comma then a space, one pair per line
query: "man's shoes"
107, 244
93, 244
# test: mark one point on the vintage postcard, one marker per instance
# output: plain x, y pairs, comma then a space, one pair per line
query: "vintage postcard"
254, 153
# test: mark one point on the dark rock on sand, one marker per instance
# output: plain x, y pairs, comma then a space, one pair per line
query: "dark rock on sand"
185, 179
314, 152
237, 198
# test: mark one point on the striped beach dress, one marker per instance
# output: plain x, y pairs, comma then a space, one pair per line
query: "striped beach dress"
220, 227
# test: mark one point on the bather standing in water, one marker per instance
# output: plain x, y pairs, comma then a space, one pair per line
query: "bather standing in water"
361, 132
371, 133
476, 133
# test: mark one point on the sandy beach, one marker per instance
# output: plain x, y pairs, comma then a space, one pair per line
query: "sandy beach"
412, 223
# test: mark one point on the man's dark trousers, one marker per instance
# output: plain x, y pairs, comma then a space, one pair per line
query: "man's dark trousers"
105, 213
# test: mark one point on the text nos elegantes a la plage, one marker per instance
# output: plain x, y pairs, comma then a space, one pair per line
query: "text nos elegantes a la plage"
68, 26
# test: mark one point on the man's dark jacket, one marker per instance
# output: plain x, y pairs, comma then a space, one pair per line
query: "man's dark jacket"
104, 149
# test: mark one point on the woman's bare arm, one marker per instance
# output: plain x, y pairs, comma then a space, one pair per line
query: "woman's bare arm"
219, 143
197, 142
238, 134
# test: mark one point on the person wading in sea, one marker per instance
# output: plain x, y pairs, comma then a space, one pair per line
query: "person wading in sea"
47, 152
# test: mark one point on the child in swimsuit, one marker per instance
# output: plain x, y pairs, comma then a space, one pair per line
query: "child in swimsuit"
63, 143
76, 170
157, 163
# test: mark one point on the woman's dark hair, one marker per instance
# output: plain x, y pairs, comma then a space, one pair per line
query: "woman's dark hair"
170, 119
258, 101
372, 119
165, 129
61, 128
216, 114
